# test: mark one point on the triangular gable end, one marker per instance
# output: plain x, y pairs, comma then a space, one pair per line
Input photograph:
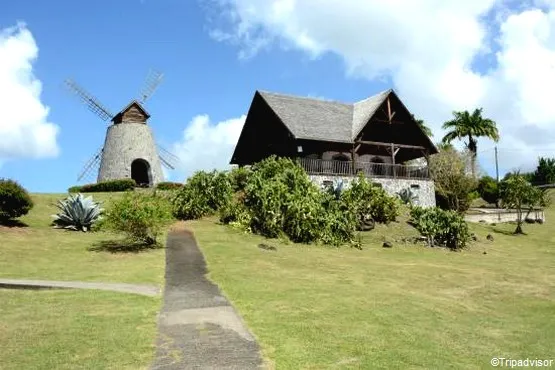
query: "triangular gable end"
364, 110
133, 112
259, 117
392, 104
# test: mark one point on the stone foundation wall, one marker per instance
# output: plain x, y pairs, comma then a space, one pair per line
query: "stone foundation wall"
424, 190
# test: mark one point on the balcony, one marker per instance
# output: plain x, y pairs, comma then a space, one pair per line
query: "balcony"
370, 169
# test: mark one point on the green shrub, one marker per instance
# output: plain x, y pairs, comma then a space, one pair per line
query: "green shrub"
440, 227
236, 214
239, 177
339, 222
370, 201
77, 213
15, 201
75, 189
280, 200
488, 189
203, 194
109, 186
272, 189
141, 216
168, 185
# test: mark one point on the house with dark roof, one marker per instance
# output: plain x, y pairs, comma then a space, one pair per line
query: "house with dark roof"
377, 136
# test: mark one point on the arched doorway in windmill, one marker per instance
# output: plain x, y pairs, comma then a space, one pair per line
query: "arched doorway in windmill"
140, 172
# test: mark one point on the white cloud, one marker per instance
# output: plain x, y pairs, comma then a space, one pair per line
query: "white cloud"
428, 48
207, 146
24, 128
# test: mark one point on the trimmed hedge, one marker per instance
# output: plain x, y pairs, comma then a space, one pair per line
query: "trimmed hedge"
105, 186
15, 201
168, 185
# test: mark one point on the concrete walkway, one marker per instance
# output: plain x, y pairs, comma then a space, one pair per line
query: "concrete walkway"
148, 290
198, 328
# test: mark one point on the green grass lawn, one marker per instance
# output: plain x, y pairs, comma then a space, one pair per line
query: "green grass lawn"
39, 251
76, 329
407, 307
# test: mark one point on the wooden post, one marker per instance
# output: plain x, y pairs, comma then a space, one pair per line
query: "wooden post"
393, 159
353, 164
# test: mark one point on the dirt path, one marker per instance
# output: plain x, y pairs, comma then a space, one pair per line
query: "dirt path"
148, 290
198, 328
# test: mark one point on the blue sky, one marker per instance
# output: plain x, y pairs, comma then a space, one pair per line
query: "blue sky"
108, 47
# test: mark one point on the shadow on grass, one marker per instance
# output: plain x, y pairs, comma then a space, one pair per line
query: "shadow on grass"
13, 223
123, 246
504, 232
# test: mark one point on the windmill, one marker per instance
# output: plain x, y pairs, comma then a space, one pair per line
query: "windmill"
129, 150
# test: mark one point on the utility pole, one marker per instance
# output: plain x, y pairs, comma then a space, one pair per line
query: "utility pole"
496, 165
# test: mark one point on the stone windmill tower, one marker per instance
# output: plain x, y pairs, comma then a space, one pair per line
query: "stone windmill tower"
129, 150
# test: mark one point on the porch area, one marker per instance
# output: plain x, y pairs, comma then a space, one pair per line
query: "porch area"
370, 169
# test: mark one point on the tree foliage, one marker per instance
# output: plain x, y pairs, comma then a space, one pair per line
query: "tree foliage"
488, 189
15, 201
422, 125
453, 185
517, 193
470, 126
545, 172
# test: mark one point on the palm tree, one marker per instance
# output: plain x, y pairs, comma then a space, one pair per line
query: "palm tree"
472, 126
423, 126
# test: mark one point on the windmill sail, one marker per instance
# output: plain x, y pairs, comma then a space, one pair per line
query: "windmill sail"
168, 159
151, 83
91, 166
90, 101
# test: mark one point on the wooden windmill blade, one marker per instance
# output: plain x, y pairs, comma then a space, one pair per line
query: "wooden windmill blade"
91, 165
168, 159
153, 79
89, 100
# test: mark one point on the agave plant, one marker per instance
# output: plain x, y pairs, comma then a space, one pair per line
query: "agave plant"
335, 188
77, 212
407, 196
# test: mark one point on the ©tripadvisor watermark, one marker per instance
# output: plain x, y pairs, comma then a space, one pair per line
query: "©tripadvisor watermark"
526, 362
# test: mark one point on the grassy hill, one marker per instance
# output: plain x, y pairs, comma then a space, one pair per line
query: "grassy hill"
406, 307
74, 329
38, 251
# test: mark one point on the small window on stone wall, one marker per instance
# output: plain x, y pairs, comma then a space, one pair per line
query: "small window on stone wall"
327, 183
415, 186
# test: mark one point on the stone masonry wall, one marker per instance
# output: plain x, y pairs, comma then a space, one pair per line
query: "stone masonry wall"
424, 190
124, 143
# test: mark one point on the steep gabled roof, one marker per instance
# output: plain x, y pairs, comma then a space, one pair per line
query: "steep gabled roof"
315, 119
365, 109
312, 119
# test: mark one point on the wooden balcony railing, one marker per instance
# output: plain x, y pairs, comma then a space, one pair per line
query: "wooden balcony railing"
370, 169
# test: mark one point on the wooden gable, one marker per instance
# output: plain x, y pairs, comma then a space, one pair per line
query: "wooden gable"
134, 112
393, 123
